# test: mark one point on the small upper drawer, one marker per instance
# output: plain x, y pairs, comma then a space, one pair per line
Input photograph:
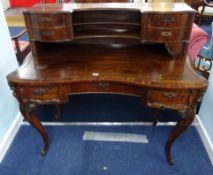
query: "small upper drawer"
165, 34
48, 19
167, 20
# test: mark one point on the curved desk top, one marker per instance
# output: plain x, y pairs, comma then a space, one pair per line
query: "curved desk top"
138, 65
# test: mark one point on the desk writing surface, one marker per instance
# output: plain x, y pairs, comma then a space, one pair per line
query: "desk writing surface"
142, 65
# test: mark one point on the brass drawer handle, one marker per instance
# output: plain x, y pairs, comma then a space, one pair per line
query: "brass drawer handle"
168, 19
47, 33
39, 91
103, 85
46, 19
170, 95
166, 34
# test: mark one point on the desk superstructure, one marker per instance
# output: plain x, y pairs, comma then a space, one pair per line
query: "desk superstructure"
128, 48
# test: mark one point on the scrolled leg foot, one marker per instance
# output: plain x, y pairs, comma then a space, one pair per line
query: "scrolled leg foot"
43, 152
171, 162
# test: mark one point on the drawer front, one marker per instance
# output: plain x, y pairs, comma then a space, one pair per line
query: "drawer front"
40, 94
108, 87
47, 20
165, 34
168, 99
50, 34
49, 27
167, 20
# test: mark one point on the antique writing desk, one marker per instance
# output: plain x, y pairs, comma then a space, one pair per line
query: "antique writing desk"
137, 49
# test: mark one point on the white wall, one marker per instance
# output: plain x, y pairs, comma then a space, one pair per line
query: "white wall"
206, 110
8, 63
5, 4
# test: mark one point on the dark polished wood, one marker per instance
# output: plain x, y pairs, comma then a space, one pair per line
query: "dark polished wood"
27, 110
109, 48
145, 22
182, 125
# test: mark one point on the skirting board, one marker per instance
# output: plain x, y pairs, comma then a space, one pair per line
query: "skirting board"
204, 137
7, 140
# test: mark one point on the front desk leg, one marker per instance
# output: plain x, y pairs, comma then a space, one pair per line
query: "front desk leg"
181, 126
28, 112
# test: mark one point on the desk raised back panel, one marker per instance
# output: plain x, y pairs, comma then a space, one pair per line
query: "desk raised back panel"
111, 23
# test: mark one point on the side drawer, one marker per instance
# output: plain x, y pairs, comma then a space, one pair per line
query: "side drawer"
167, 20
165, 34
168, 99
40, 94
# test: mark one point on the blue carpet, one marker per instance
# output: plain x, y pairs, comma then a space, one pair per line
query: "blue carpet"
69, 155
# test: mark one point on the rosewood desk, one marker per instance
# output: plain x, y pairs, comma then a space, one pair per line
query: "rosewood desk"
135, 49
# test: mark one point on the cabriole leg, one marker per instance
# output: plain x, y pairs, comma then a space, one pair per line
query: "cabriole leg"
28, 112
181, 126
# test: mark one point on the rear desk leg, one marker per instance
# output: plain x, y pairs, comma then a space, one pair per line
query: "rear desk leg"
156, 114
28, 112
58, 111
181, 126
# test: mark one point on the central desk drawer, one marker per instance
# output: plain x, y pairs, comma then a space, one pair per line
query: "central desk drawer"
168, 99
108, 87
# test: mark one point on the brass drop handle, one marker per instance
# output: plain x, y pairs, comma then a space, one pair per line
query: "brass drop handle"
47, 33
170, 95
39, 91
103, 85
166, 34
168, 19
